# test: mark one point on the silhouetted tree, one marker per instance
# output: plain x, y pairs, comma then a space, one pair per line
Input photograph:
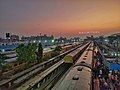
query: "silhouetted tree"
39, 53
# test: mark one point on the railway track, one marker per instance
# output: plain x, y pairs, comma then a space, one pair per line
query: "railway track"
31, 83
25, 75
47, 78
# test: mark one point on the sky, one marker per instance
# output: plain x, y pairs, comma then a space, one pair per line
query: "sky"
59, 17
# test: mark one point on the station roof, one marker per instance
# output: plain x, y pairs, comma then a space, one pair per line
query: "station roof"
114, 66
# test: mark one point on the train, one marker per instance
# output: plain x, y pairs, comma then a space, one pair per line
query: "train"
86, 57
78, 77
71, 57
64, 49
68, 47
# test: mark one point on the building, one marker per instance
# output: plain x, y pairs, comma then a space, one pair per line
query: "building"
44, 39
14, 38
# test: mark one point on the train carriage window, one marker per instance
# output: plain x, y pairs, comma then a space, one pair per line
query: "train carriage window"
52, 74
44, 80
38, 85
41, 81
55, 71
49, 76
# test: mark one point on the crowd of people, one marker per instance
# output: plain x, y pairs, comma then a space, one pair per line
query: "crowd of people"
108, 79
110, 83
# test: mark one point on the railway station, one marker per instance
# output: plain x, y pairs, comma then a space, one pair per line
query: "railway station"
59, 44
81, 66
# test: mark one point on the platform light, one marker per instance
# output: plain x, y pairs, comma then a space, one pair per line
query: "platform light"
53, 41
39, 41
112, 53
3, 50
45, 41
118, 54
34, 41
63, 41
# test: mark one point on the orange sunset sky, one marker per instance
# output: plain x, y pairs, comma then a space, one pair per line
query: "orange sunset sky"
59, 17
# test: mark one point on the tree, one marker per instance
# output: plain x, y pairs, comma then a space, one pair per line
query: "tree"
26, 53
31, 49
21, 51
2, 60
39, 53
52, 37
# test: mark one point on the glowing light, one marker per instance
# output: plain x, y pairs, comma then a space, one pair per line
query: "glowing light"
53, 41
34, 41
3, 50
106, 40
45, 41
63, 41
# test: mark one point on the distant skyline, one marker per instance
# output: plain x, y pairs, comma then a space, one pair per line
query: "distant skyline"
59, 17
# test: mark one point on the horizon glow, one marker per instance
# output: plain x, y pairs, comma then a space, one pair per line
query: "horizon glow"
59, 17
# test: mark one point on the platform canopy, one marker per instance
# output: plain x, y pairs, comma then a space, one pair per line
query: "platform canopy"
114, 66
